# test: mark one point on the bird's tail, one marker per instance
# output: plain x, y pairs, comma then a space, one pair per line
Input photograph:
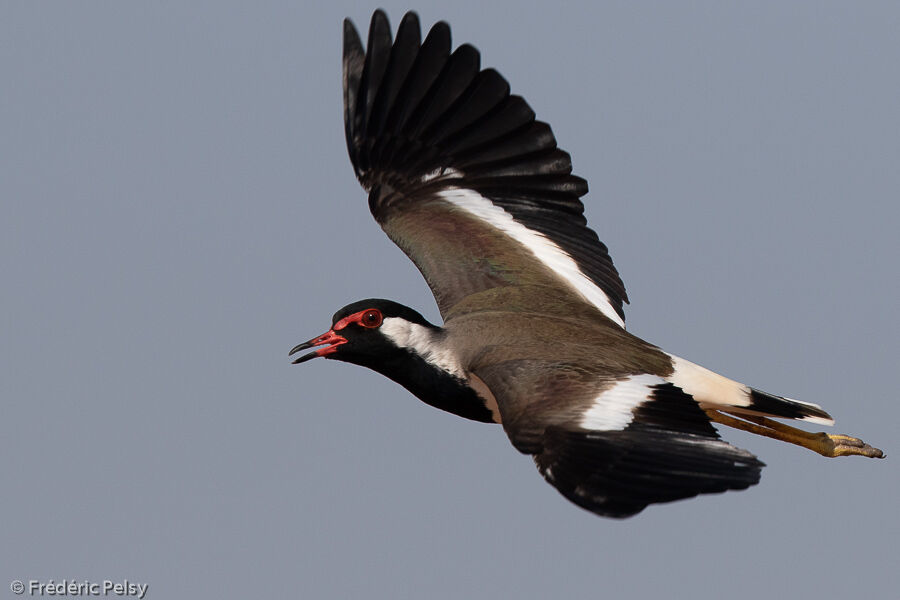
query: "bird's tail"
713, 391
765, 404
734, 404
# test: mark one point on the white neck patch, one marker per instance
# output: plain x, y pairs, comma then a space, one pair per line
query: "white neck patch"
543, 248
423, 341
613, 410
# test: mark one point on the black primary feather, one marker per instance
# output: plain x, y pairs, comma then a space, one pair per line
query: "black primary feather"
669, 451
415, 112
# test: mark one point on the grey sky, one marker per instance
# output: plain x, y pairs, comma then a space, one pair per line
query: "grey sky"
178, 211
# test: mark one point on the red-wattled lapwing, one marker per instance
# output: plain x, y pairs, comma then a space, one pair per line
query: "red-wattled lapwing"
462, 177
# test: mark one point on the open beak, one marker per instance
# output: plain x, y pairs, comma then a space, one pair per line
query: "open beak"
331, 338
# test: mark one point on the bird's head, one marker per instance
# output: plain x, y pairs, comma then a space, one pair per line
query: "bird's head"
366, 332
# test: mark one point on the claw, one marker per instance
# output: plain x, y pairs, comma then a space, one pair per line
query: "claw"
844, 445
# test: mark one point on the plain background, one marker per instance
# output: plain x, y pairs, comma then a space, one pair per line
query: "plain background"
178, 211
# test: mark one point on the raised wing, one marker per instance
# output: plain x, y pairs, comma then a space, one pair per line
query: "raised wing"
629, 443
462, 177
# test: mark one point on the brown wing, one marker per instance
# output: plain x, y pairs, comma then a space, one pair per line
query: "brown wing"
460, 174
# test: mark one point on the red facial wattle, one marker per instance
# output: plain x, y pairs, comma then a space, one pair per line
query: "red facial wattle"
370, 318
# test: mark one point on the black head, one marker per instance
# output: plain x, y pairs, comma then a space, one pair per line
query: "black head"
399, 343
355, 335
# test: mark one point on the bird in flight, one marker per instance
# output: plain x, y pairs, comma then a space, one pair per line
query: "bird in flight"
464, 179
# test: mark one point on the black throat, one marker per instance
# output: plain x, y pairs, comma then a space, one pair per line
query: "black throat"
433, 385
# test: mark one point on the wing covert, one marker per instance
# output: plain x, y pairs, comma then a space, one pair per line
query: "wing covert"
460, 174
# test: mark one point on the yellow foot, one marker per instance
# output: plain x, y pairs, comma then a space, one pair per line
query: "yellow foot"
844, 445
823, 443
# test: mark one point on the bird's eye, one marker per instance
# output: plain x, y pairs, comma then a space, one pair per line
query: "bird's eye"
371, 318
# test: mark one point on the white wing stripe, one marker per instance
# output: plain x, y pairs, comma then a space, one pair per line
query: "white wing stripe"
613, 410
543, 248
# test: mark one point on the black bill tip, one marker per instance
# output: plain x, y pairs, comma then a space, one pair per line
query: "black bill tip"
300, 347
330, 340
305, 358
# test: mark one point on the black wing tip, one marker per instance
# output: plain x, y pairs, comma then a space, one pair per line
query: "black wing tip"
412, 108
411, 17
426, 96
351, 36
379, 25
380, 22
467, 48
619, 473
440, 29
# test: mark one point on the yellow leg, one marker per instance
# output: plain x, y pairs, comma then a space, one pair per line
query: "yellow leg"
825, 444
